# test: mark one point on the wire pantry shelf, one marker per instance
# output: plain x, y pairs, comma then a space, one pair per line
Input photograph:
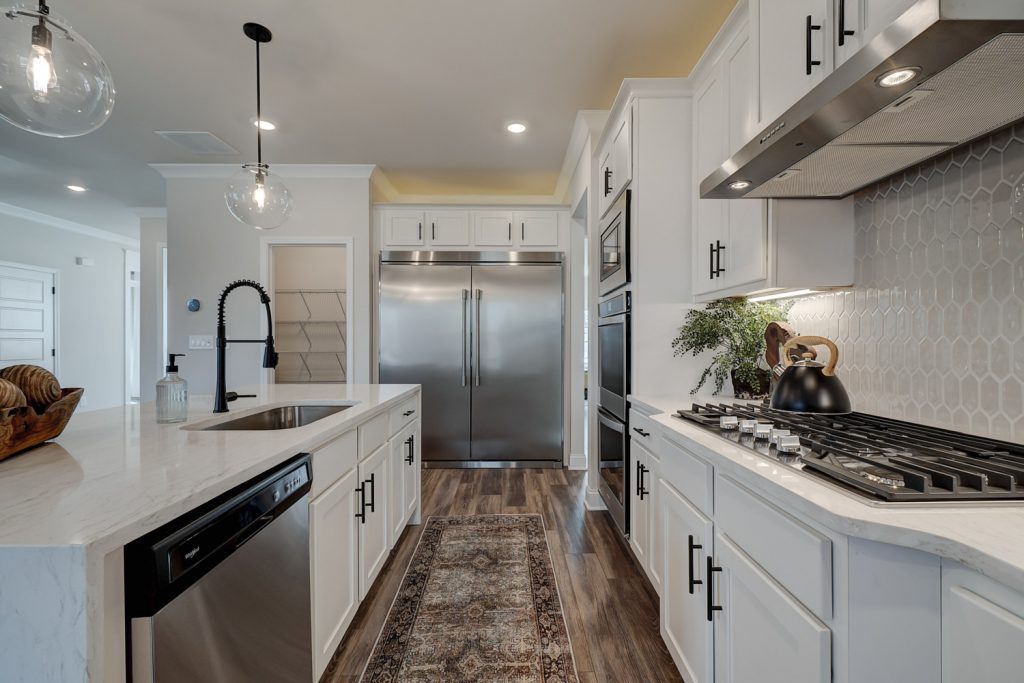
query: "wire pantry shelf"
311, 335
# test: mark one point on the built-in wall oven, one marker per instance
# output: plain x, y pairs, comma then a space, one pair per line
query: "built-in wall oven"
615, 245
614, 379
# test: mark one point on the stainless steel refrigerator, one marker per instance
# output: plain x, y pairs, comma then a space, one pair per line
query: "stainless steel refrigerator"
482, 333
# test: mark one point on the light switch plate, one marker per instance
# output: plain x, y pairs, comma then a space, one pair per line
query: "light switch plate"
200, 341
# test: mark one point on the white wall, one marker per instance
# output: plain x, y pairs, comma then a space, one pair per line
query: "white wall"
90, 336
208, 248
152, 238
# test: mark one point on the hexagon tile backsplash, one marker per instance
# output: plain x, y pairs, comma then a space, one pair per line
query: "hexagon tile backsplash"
933, 330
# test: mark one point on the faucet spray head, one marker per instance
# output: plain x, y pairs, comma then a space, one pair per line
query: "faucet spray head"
269, 353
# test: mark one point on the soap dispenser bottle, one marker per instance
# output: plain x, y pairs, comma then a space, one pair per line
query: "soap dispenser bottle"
172, 395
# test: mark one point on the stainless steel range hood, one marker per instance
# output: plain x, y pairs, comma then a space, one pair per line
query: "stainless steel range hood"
849, 132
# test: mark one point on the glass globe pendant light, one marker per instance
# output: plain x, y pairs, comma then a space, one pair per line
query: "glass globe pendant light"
253, 195
52, 82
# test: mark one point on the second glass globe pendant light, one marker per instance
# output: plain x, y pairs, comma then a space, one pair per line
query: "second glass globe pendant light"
254, 196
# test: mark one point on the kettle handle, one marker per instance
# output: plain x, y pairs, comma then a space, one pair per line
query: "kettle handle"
833, 351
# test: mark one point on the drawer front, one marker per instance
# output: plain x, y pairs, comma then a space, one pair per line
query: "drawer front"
643, 429
795, 555
373, 433
405, 413
332, 461
691, 475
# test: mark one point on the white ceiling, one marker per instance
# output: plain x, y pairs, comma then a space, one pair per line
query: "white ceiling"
421, 88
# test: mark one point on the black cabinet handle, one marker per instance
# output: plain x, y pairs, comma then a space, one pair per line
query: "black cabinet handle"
843, 32
641, 432
408, 413
411, 443
361, 515
433, 231
373, 492
693, 581
510, 232
643, 489
639, 485
711, 259
811, 62
712, 607
719, 248
607, 181
420, 233
522, 235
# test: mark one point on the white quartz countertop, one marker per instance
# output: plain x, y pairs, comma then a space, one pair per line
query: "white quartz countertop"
988, 537
116, 474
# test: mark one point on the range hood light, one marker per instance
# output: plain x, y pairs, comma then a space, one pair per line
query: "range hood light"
890, 79
739, 184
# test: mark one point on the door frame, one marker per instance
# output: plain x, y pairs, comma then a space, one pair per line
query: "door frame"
126, 333
267, 278
56, 305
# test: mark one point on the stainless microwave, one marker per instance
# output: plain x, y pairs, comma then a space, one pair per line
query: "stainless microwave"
615, 245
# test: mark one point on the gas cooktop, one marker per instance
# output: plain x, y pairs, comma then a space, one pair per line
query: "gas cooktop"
875, 456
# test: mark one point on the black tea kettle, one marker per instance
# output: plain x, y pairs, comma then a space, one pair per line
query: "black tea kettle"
807, 386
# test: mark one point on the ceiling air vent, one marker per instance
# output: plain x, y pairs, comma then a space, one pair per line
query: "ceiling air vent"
198, 141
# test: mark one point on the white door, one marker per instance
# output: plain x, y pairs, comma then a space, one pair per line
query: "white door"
712, 231
132, 326
622, 154
493, 228
639, 505
684, 624
401, 444
373, 528
334, 553
403, 228
762, 633
788, 69
411, 474
449, 228
26, 317
538, 228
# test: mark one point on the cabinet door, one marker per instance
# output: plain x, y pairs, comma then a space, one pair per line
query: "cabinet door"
740, 74
604, 179
687, 539
622, 154
762, 633
857, 22
746, 259
411, 474
449, 228
403, 228
538, 228
334, 553
786, 29
982, 628
709, 128
639, 507
396, 485
655, 515
373, 528
493, 228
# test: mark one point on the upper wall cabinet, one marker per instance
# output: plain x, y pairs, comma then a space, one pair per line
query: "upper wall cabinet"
616, 161
461, 228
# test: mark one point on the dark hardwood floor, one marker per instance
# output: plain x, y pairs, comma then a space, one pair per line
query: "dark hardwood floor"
610, 609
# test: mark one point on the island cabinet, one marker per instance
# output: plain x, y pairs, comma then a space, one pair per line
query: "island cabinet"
365, 491
751, 590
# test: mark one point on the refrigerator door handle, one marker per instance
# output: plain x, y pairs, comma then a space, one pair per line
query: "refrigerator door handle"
476, 340
465, 335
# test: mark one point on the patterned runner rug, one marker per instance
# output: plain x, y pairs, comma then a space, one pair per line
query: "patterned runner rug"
478, 603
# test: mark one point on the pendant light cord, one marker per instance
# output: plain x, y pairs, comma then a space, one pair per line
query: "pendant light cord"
259, 114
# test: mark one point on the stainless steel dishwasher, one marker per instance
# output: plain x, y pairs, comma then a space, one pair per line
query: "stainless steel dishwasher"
222, 593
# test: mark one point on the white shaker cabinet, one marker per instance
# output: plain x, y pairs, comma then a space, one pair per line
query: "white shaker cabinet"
761, 632
404, 483
537, 228
448, 228
412, 466
403, 228
646, 538
493, 228
374, 532
688, 537
982, 628
334, 536
616, 161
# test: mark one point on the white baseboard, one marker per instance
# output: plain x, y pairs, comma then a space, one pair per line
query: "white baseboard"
593, 501
577, 461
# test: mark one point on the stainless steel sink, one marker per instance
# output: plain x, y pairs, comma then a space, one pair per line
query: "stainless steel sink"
282, 417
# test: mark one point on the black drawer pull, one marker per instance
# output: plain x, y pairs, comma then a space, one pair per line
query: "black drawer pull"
641, 432
712, 607
811, 62
408, 413
607, 181
843, 32
693, 581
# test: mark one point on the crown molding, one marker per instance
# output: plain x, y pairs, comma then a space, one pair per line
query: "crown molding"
713, 52
64, 224
588, 124
225, 171
381, 187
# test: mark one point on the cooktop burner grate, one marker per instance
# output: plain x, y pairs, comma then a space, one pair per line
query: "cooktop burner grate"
875, 456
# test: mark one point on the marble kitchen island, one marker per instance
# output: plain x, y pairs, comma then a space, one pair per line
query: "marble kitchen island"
68, 508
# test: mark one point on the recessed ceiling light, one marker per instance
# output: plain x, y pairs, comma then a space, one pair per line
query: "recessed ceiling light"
77, 188
899, 76
264, 124
516, 128
739, 184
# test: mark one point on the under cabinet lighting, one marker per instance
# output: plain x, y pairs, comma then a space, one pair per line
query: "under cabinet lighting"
891, 79
782, 295
739, 184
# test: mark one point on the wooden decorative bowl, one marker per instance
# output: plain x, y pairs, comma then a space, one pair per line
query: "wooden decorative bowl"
23, 428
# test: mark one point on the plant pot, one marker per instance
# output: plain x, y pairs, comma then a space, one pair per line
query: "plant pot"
744, 390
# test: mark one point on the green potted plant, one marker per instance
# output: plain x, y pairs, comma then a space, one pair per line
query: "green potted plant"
733, 329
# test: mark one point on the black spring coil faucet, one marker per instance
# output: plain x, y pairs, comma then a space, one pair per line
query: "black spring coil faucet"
220, 397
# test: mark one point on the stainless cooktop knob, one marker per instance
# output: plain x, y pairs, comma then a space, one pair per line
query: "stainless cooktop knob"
762, 431
789, 444
748, 426
728, 422
776, 433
